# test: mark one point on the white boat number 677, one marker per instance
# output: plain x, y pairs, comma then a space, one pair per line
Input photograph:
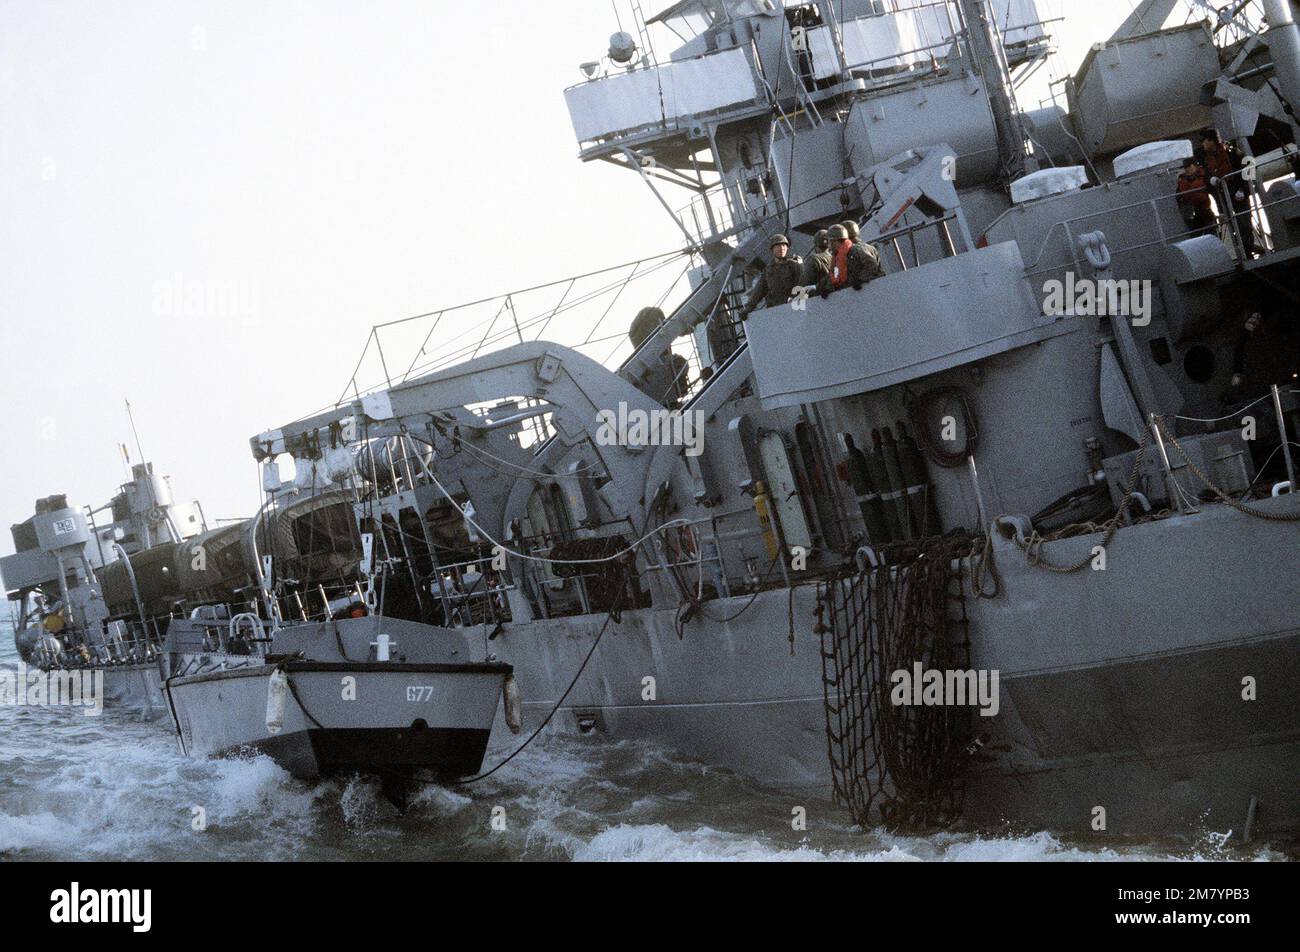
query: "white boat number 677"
419, 692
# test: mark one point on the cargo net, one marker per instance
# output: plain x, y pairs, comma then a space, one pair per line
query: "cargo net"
896, 765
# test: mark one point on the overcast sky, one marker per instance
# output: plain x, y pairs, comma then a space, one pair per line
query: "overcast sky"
325, 165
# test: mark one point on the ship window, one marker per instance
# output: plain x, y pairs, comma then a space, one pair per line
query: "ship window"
689, 18
807, 16
1160, 351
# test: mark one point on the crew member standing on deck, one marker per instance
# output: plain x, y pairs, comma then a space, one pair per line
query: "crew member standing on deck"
1224, 166
1194, 198
838, 275
818, 264
864, 259
778, 280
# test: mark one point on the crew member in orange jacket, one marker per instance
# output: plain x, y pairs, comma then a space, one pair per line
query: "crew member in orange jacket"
1194, 198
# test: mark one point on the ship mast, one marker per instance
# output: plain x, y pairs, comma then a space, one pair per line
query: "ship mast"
988, 56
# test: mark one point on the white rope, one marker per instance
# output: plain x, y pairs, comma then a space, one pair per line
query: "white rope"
1260, 472
524, 470
1228, 416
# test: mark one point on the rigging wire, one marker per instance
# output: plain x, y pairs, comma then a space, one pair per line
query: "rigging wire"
609, 617
523, 470
534, 558
1226, 416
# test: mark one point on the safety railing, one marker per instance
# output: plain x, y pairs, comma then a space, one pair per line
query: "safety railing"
898, 238
726, 209
573, 311
926, 33
116, 644
471, 593
321, 602
1174, 467
1228, 226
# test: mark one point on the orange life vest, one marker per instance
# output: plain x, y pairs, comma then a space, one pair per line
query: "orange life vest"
1218, 162
840, 265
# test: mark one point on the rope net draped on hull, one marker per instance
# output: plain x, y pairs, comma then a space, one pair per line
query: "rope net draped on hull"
896, 764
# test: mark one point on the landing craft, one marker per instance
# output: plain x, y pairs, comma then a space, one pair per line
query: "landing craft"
318, 666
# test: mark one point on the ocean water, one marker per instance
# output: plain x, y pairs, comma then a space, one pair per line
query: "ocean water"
74, 787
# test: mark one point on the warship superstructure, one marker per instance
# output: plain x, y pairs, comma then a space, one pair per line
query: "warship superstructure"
952, 468
1046, 458
78, 603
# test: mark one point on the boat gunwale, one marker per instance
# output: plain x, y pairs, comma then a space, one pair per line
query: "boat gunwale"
308, 666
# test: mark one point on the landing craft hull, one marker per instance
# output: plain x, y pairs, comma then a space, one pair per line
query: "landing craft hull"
133, 688
136, 688
1120, 688
405, 718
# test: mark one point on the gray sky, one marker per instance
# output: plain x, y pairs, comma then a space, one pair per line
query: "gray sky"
315, 167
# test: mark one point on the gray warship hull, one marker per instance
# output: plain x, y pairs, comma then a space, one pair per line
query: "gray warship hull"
1119, 688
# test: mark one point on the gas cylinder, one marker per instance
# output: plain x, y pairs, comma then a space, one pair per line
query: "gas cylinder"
916, 477
894, 492
868, 497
